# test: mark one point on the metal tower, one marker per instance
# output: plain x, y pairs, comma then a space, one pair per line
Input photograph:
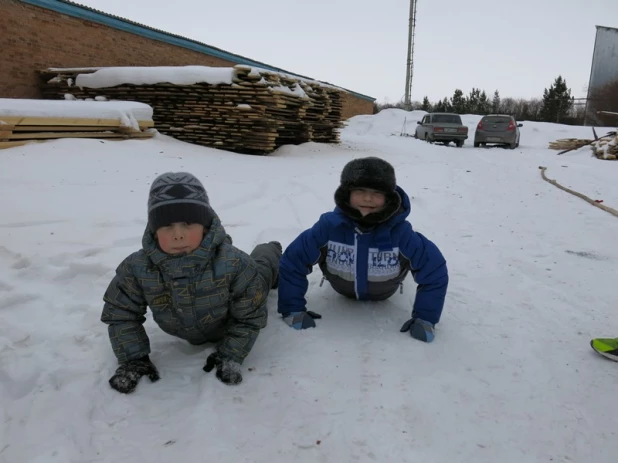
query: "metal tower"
410, 63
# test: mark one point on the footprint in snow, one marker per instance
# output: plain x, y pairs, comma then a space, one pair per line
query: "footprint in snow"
60, 260
18, 388
5, 286
17, 299
77, 269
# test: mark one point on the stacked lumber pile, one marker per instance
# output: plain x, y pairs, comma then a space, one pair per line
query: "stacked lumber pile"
568, 144
19, 130
606, 148
255, 114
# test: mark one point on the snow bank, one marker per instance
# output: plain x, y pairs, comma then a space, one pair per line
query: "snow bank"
123, 110
390, 122
386, 123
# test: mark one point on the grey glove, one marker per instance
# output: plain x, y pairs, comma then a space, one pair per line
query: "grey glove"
419, 329
301, 320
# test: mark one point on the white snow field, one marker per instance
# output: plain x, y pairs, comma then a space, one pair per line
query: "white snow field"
510, 376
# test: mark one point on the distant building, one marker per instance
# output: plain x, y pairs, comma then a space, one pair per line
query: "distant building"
603, 73
37, 34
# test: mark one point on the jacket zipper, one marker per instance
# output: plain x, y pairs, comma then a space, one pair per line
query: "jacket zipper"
356, 259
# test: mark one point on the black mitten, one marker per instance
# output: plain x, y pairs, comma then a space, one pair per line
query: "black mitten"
128, 374
228, 371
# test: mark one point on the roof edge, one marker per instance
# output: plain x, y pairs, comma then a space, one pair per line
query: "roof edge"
607, 27
76, 10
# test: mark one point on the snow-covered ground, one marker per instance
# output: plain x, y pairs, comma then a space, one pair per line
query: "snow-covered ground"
510, 376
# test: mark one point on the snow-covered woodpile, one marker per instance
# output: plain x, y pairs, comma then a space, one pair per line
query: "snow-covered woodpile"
23, 121
240, 109
606, 148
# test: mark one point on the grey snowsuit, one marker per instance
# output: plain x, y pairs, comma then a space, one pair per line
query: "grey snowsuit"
215, 294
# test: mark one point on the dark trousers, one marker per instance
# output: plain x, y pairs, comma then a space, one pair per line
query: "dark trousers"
267, 256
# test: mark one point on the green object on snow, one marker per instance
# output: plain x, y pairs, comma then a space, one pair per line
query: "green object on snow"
606, 347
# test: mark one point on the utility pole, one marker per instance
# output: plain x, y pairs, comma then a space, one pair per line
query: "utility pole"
410, 62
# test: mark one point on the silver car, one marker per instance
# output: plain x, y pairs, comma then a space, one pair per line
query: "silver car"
443, 128
497, 129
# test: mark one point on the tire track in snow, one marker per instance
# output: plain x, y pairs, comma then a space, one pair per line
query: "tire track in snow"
33, 223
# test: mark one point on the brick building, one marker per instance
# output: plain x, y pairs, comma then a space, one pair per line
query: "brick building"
37, 34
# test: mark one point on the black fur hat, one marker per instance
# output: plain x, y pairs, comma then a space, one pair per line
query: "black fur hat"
373, 173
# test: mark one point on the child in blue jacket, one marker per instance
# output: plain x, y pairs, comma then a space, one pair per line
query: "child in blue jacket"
365, 249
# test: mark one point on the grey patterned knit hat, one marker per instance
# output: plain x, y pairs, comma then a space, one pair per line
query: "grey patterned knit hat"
178, 197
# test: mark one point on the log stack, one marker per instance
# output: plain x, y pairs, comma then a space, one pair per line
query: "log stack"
257, 113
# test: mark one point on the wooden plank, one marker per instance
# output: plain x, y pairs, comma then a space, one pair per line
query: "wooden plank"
67, 121
140, 135
43, 135
64, 128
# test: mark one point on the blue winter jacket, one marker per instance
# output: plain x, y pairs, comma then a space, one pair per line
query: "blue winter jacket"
365, 265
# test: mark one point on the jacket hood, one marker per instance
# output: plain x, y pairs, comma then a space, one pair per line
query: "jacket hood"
173, 264
383, 229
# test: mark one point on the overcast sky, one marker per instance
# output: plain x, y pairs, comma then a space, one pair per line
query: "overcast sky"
515, 46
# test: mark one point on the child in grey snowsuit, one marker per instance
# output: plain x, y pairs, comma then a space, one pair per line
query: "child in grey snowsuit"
199, 287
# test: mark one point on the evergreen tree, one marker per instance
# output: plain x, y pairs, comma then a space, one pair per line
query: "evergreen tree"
495, 104
458, 102
447, 105
473, 101
484, 104
557, 101
426, 105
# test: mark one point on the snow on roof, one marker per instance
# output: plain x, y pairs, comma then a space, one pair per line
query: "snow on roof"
128, 112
